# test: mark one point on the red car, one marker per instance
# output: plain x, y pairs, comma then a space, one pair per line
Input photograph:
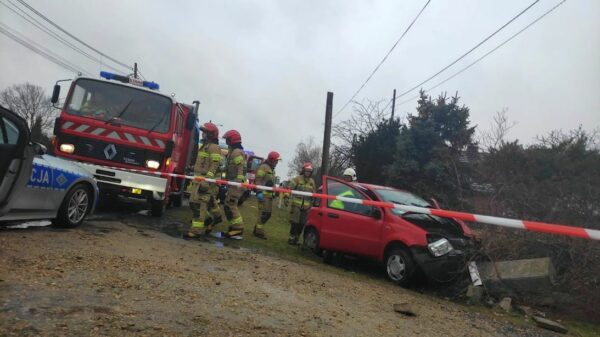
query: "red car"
403, 241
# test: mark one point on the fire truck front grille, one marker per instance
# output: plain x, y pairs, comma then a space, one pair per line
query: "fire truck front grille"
108, 179
107, 151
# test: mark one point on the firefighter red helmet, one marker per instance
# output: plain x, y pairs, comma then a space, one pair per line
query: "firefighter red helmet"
273, 156
307, 167
232, 137
211, 130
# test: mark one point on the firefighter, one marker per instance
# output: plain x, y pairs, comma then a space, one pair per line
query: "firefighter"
234, 171
348, 176
97, 106
265, 175
203, 198
300, 204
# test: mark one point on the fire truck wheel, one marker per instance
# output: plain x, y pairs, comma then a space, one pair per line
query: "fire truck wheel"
157, 207
177, 200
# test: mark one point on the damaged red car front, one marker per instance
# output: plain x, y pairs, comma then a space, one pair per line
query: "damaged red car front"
404, 242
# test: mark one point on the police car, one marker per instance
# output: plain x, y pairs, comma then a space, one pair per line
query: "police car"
36, 186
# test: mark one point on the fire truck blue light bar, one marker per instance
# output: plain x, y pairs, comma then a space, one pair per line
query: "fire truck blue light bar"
125, 79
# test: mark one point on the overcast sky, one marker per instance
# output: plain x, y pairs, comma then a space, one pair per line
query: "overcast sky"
264, 67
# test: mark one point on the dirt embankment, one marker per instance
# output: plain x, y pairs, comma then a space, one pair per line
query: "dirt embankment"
109, 278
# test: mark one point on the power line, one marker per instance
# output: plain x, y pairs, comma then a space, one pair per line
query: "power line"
489, 52
73, 36
36, 50
468, 52
27, 17
25, 41
384, 59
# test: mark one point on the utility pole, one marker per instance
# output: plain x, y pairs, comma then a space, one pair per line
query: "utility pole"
135, 70
327, 135
393, 105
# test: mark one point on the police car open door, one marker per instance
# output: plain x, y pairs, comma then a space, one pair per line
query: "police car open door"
14, 136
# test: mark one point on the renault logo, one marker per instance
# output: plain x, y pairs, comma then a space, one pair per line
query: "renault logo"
110, 151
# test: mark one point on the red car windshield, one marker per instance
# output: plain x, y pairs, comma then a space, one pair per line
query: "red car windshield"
120, 105
401, 197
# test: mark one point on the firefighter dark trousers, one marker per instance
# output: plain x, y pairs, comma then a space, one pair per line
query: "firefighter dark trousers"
232, 213
264, 214
298, 217
203, 201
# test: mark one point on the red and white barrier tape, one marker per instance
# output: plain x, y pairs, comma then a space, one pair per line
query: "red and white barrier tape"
580, 232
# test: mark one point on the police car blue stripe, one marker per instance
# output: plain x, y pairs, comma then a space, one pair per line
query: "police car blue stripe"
46, 177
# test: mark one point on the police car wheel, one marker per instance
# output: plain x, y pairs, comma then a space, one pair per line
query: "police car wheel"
74, 207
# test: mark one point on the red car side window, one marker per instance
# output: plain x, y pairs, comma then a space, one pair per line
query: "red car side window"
342, 190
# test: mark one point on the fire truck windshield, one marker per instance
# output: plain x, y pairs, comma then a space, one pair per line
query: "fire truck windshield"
117, 104
254, 163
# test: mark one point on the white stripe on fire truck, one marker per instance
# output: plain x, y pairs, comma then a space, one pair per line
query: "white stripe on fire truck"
98, 131
114, 135
81, 128
66, 125
160, 143
145, 140
130, 137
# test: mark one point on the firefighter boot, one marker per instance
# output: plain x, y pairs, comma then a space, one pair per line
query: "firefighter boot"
209, 224
234, 232
259, 232
196, 230
294, 233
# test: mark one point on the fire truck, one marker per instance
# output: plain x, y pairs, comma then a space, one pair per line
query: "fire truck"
252, 164
114, 124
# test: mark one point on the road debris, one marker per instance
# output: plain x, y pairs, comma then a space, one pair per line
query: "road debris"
550, 325
405, 309
506, 304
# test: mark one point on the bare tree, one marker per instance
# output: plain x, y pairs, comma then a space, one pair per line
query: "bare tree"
365, 117
496, 134
559, 138
30, 102
306, 152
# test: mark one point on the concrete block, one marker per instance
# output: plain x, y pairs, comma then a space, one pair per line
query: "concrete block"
550, 325
529, 275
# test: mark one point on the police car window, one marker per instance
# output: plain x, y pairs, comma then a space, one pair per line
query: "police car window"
343, 190
9, 134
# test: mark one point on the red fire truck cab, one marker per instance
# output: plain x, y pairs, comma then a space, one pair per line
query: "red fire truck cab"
115, 125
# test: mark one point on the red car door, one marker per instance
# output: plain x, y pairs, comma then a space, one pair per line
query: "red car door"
349, 227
